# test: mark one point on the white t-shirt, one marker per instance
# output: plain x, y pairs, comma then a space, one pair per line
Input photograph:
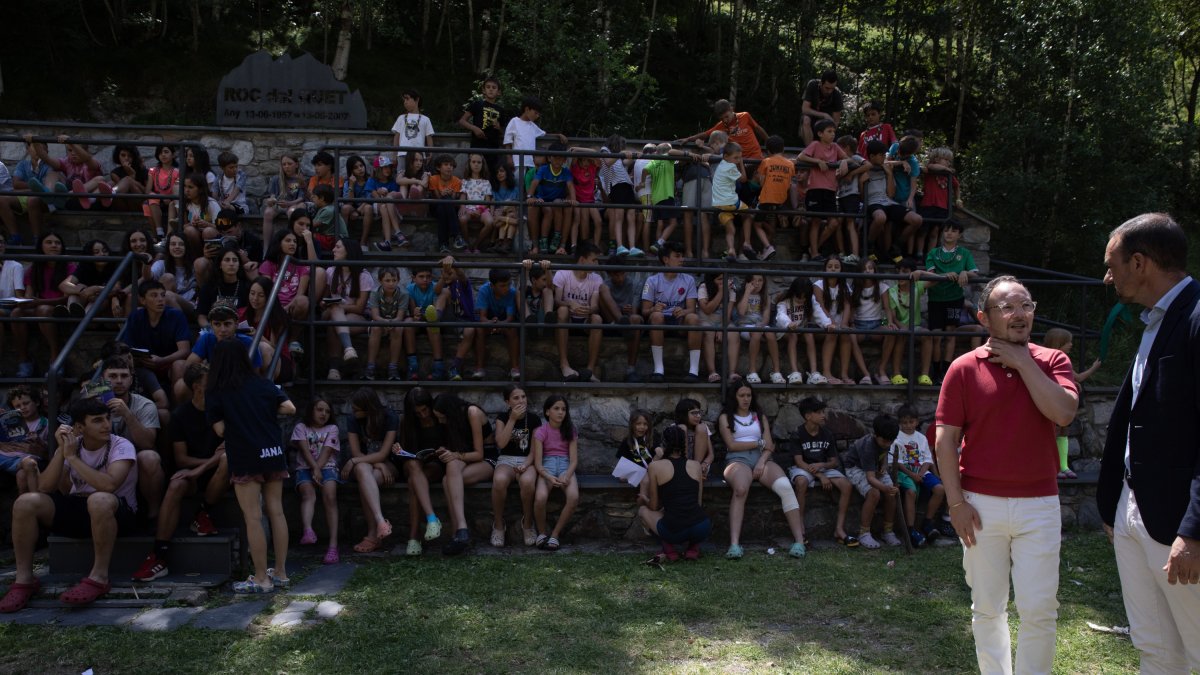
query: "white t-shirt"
724, 184
522, 135
413, 130
577, 290
341, 288
477, 189
641, 179
820, 316
12, 279
117, 449
871, 308
911, 450
185, 280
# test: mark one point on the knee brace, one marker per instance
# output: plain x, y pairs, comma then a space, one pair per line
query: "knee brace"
783, 487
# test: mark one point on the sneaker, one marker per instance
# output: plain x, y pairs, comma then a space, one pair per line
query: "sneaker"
817, 258
444, 249
636, 252
850, 259
621, 250
899, 379
891, 539
433, 529
394, 373
455, 376
753, 378
796, 377
612, 248
947, 529
296, 348
152, 568
777, 378
529, 536
514, 374
925, 381
767, 253
459, 242
817, 378
497, 538
691, 377
333, 374
384, 245
749, 252
867, 541
478, 374
931, 533
309, 538
917, 538
202, 524
25, 369
364, 248
401, 240
369, 374
656, 378
349, 356
632, 376
741, 257
439, 372
459, 544
414, 548
657, 246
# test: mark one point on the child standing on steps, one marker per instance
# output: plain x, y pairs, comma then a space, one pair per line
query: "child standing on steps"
555, 456
316, 464
1061, 339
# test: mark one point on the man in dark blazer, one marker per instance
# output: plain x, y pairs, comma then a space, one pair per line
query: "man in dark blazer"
1149, 491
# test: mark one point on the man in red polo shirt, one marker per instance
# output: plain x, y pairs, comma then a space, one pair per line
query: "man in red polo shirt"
1002, 401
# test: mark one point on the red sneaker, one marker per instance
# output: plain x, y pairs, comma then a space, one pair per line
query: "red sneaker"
152, 568
202, 524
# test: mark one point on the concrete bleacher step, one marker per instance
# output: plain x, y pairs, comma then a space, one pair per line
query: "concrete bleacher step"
196, 561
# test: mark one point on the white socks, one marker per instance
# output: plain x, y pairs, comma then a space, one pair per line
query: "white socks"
656, 354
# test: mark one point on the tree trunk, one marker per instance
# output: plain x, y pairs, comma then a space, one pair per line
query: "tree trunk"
645, 54
964, 54
485, 41
1189, 128
425, 10
736, 52
341, 55
471, 31
499, 36
195, 7
437, 40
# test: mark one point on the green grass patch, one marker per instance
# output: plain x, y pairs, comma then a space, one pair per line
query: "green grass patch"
836, 611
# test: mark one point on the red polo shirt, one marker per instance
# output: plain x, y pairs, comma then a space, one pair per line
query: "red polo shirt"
1008, 444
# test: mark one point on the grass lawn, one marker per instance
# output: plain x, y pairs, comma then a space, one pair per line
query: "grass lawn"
836, 611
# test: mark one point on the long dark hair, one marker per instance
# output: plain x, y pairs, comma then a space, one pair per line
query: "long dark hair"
277, 320
568, 429
135, 158
202, 164
801, 288
218, 277
827, 293
685, 406
674, 441
711, 287
91, 273
275, 246
729, 406
353, 252
856, 296
310, 412
366, 400
189, 256
38, 271
229, 367
458, 421
410, 427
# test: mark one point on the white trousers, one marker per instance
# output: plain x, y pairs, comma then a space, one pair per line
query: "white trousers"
1164, 620
1019, 537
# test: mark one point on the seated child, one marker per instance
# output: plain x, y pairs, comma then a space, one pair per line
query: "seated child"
422, 307
387, 306
816, 461
24, 444
318, 442
328, 226
914, 460
497, 304
577, 300
642, 446
555, 456
867, 470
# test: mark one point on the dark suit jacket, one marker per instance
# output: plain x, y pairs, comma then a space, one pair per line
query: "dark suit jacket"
1163, 429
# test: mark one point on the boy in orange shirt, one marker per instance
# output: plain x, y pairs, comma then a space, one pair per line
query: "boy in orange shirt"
775, 175
443, 184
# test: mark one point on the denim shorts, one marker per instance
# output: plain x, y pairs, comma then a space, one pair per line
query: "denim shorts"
747, 458
556, 465
867, 324
513, 461
11, 463
327, 474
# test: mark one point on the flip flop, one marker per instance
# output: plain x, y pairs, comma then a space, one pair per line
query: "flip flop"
367, 545
849, 541
573, 376
552, 544
833, 380
85, 592
19, 594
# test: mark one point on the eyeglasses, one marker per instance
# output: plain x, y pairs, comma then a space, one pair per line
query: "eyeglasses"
693, 412
1006, 309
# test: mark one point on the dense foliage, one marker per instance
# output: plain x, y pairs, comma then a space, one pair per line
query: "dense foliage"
1068, 115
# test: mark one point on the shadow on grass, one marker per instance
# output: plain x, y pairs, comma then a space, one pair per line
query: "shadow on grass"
836, 611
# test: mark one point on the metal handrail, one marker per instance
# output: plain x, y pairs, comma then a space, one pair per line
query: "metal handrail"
53, 375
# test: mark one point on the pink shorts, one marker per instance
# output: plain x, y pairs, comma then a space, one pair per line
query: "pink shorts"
477, 209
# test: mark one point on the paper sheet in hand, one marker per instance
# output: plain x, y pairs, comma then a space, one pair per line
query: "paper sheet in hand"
629, 472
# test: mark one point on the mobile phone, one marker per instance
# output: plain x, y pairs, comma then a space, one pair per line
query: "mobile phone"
332, 300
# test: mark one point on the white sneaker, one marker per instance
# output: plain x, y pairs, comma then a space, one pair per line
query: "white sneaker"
891, 539
350, 356
795, 378
753, 378
777, 378
817, 378
497, 539
867, 541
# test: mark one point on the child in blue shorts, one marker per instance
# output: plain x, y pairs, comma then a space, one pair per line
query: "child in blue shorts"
316, 463
914, 462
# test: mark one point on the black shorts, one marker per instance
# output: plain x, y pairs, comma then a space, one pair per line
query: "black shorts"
932, 213
748, 193
622, 193
894, 212
762, 217
662, 215
71, 517
821, 201
850, 205
947, 314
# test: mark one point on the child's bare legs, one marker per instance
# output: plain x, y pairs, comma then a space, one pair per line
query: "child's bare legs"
912, 223
885, 355
852, 233
828, 344
772, 350
856, 351
761, 233
733, 344
568, 509
374, 337
752, 363
268, 220
791, 339
329, 500
501, 479
395, 343
616, 225
308, 505
844, 488
367, 213
739, 478
814, 237
535, 220
418, 474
